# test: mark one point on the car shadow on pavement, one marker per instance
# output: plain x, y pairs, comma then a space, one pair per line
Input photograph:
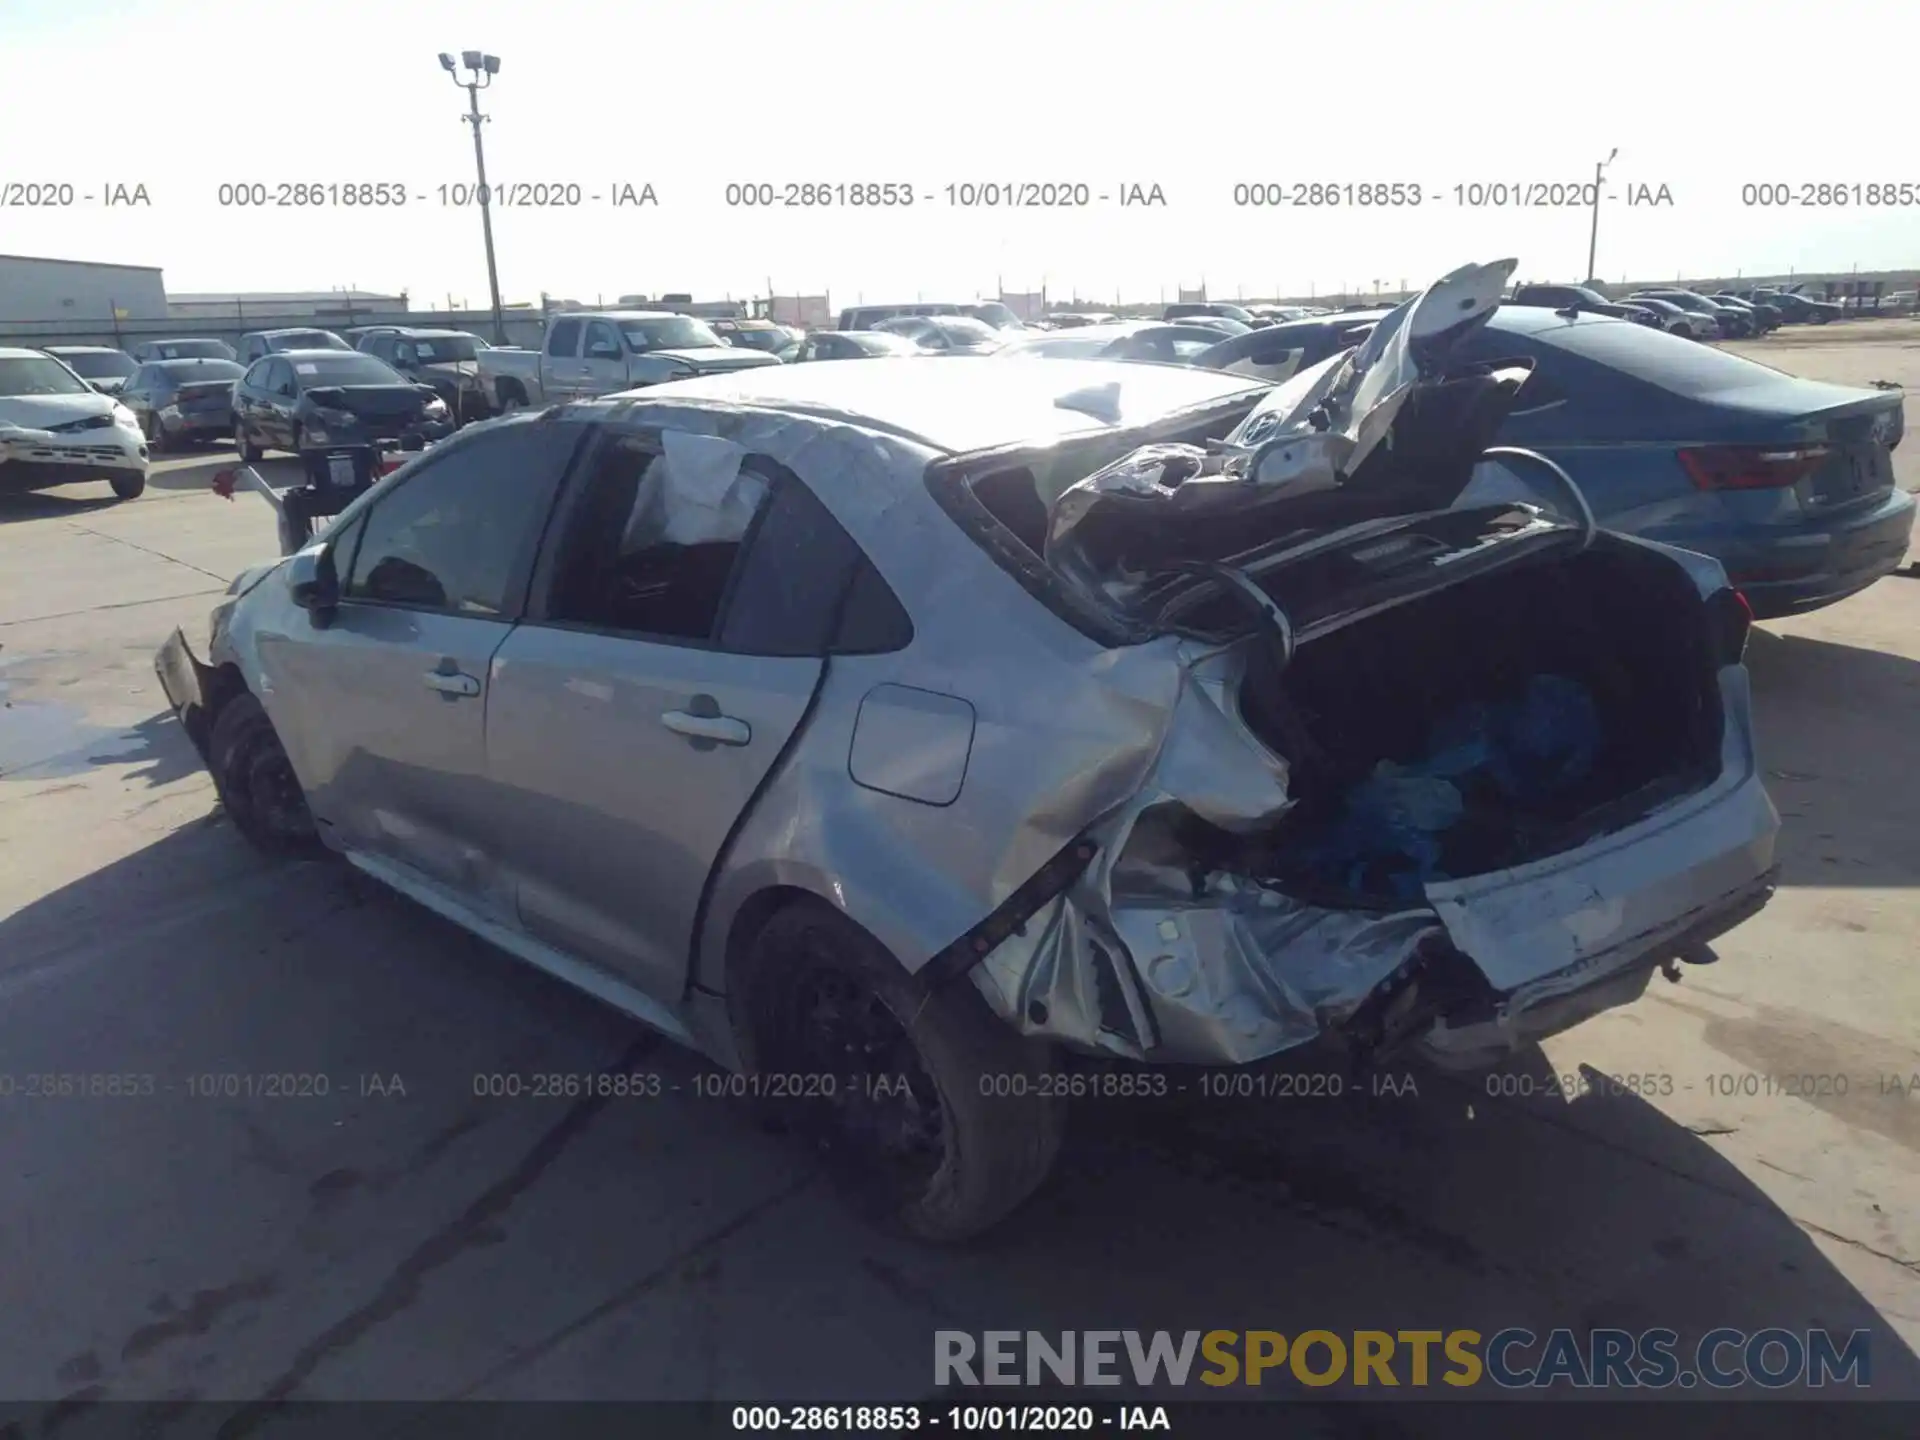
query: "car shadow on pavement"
1515, 1198
280, 471
191, 470
1377, 1201
52, 740
39, 505
1834, 724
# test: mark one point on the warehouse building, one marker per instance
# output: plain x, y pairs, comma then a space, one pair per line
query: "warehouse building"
321, 306
37, 290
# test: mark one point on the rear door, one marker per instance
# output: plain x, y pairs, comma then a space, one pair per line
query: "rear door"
560, 361
651, 691
383, 709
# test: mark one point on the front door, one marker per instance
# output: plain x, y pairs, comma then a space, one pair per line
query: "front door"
383, 708
603, 361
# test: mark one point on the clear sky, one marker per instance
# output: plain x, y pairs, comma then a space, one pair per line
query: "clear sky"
1699, 96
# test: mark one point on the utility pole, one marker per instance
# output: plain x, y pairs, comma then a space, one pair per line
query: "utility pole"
1593, 235
483, 68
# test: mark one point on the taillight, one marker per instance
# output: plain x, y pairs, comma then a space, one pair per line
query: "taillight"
1751, 467
1729, 618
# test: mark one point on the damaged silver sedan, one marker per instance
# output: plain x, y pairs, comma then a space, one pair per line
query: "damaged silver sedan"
888, 732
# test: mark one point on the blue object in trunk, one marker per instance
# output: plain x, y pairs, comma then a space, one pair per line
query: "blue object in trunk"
1390, 823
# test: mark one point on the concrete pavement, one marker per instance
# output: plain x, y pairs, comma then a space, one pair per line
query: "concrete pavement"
402, 1236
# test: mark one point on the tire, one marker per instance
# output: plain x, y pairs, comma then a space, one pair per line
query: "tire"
249, 452
936, 1158
128, 487
256, 783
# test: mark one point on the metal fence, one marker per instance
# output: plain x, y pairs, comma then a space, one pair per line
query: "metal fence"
523, 326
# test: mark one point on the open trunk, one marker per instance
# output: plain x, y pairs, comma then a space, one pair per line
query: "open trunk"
1510, 717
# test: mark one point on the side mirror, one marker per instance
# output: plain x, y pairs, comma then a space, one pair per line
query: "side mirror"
312, 582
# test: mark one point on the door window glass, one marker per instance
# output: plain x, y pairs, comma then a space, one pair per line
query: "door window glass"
460, 531
806, 588
651, 543
602, 342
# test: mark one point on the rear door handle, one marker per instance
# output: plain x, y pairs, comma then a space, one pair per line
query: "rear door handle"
454, 683
714, 729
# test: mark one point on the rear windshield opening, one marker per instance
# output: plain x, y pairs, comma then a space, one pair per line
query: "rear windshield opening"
1020, 497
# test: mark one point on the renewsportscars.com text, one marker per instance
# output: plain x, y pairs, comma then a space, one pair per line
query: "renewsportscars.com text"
1507, 1359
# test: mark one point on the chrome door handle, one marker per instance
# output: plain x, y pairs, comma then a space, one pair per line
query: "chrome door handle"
451, 684
714, 729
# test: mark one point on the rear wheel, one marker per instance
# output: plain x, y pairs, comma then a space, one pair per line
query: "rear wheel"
930, 1112
256, 783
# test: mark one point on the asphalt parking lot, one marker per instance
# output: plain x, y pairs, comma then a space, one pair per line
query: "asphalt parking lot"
401, 1236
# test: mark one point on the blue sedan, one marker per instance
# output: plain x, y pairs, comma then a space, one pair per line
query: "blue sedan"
1787, 482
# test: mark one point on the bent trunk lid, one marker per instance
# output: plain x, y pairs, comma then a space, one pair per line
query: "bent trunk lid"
1389, 429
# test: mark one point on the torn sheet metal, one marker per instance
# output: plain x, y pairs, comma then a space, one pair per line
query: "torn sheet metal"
1147, 954
1309, 436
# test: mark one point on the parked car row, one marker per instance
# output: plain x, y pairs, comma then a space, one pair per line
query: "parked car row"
188, 390
1709, 315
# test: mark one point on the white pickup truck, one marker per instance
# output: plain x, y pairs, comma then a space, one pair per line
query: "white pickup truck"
602, 352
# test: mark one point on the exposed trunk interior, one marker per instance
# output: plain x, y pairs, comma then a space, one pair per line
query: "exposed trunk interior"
1630, 720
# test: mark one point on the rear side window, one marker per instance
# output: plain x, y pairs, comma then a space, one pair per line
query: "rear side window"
806, 588
564, 339
644, 554
1684, 367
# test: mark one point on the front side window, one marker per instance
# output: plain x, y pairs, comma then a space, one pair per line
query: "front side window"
460, 531
602, 342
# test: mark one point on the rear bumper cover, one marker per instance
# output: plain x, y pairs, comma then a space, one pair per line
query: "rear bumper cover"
1814, 565
1222, 970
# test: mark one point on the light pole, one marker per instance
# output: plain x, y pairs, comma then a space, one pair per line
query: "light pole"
483, 68
1593, 236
